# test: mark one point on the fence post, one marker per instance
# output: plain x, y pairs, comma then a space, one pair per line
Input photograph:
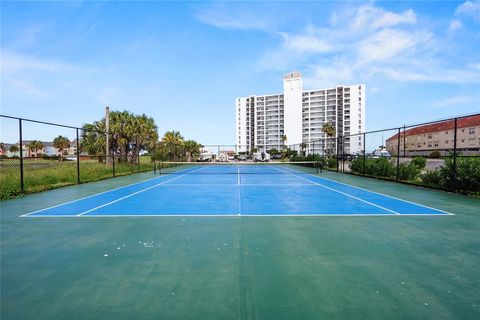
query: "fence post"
398, 155
155, 157
404, 142
78, 159
364, 154
113, 162
343, 154
22, 186
338, 151
454, 171
138, 161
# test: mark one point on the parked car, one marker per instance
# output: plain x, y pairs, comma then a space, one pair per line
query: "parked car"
381, 153
261, 157
242, 157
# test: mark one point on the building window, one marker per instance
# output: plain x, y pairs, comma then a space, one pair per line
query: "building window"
471, 131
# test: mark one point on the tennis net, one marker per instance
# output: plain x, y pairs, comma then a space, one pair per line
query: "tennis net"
238, 167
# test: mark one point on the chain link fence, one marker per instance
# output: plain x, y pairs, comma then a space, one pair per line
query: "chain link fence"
33, 159
441, 154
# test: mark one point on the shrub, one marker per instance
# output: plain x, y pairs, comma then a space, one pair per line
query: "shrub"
435, 154
467, 174
432, 178
408, 171
420, 162
356, 166
380, 167
331, 162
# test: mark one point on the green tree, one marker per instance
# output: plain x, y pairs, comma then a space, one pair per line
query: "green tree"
192, 149
172, 142
13, 149
329, 130
284, 141
61, 143
34, 146
129, 134
303, 146
273, 152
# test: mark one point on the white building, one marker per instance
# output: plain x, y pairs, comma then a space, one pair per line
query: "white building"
297, 116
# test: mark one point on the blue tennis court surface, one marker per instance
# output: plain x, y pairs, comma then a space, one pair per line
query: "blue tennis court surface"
233, 190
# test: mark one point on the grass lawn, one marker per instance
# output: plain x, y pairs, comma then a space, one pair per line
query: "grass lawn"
43, 174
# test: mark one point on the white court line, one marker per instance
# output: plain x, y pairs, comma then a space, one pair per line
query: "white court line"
382, 194
335, 190
93, 195
235, 185
303, 215
238, 176
137, 192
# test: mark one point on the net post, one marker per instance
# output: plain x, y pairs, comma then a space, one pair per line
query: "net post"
78, 159
22, 186
398, 155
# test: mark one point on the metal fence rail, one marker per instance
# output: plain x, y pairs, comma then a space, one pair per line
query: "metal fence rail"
442, 154
25, 168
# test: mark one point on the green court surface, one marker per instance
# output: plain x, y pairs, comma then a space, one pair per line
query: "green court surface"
330, 267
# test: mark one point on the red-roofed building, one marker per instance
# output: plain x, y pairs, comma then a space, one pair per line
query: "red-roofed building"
422, 140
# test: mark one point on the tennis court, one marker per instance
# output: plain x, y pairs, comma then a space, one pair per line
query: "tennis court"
306, 245
231, 189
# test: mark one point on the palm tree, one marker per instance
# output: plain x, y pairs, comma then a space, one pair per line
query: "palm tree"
303, 146
329, 130
61, 143
192, 149
172, 140
13, 149
284, 140
129, 134
34, 146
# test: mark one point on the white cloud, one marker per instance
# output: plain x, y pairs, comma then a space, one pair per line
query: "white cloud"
391, 44
371, 17
12, 62
307, 43
358, 43
375, 44
452, 102
26, 88
454, 25
469, 8
237, 20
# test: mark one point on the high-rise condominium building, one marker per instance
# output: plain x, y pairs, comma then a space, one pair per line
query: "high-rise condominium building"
296, 116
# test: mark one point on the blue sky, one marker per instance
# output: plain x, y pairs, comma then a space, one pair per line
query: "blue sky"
185, 63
